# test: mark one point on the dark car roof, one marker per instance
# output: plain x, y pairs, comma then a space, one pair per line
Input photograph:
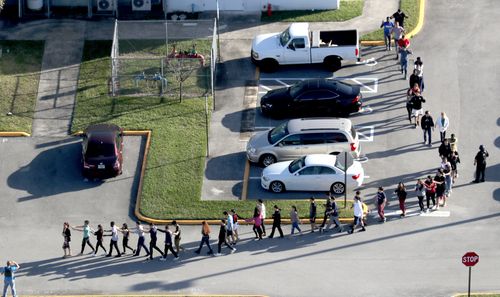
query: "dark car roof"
323, 83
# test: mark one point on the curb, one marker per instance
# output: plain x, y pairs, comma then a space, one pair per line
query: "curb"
415, 31
14, 134
476, 293
149, 295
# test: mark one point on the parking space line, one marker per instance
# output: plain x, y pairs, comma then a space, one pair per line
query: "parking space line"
264, 87
367, 84
246, 173
365, 136
281, 82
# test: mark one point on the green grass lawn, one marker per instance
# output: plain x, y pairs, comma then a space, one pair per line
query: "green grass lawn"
410, 8
20, 65
174, 173
348, 9
479, 295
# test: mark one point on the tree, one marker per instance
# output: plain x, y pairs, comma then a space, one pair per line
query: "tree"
182, 69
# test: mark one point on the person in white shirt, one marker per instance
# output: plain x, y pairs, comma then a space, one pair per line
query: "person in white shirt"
262, 209
358, 213
230, 227
114, 241
139, 230
442, 123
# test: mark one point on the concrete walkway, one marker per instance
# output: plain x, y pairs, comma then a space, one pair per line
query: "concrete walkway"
59, 79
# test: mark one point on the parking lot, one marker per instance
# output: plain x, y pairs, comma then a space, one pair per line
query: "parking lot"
383, 91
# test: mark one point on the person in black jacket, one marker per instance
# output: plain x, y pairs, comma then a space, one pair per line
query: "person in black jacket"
480, 163
328, 208
427, 123
415, 79
445, 149
223, 238
416, 108
276, 222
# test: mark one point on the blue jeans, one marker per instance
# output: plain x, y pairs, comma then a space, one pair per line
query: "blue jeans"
404, 66
205, 240
427, 132
9, 283
140, 244
295, 225
387, 40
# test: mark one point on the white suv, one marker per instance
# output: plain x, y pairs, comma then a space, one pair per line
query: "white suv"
299, 137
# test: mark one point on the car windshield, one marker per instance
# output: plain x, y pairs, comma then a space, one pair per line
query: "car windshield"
100, 147
277, 133
284, 37
296, 89
297, 164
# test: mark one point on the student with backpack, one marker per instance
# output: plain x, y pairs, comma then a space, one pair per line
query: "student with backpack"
9, 279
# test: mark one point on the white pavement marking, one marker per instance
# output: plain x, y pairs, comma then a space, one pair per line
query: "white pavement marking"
264, 87
412, 213
216, 191
262, 92
281, 82
368, 62
254, 177
437, 213
365, 133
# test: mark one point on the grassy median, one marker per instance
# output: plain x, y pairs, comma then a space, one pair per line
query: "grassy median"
348, 9
410, 8
20, 65
175, 167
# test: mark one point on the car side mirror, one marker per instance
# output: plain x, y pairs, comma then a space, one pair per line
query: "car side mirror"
291, 46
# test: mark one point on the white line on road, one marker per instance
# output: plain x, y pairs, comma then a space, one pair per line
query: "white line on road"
281, 82
264, 87
254, 177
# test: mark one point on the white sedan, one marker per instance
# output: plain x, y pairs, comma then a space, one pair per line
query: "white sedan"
313, 173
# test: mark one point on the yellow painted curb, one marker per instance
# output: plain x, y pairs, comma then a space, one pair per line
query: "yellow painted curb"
372, 42
420, 22
246, 173
14, 134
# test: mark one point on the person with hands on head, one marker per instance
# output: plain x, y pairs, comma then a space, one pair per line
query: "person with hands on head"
86, 230
9, 279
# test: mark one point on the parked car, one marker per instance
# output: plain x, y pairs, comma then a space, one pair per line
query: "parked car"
298, 45
319, 172
298, 137
102, 149
314, 97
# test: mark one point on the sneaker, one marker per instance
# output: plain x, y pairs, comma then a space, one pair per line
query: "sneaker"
233, 250
210, 253
385, 220
163, 259
427, 210
93, 254
197, 252
133, 252
217, 254
108, 255
176, 258
362, 230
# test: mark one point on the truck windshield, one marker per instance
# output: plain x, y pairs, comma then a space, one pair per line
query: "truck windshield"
284, 37
278, 133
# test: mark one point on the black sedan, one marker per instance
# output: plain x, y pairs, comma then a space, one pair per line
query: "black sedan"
102, 148
315, 97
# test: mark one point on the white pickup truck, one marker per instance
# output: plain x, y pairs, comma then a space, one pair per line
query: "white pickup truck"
298, 45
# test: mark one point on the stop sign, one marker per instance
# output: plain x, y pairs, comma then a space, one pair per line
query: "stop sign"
470, 259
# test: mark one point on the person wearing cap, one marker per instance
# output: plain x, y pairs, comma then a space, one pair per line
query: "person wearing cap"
9, 279
480, 163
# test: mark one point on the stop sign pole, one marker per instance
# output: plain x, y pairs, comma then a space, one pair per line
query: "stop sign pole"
470, 259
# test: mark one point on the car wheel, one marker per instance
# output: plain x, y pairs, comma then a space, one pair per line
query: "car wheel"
269, 65
337, 188
267, 160
332, 63
277, 187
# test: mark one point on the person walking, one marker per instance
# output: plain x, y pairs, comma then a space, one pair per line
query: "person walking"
381, 201
387, 25
399, 16
440, 182
276, 222
223, 238
236, 217
229, 227
126, 236
480, 163
454, 160
100, 238
404, 53
397, 32
442, 123
86, 230
416, 105
139, 229
446, 166
358, 214
262, 210
168, 245
328, 208
420, 190
413, 91
444, 149
205, 238
418, 65
430, 192
257, 222
66, 233
334, 216
113, 243
9, 277
414, 79
153, 239
177, 237
312, 214
294, 218
453, 141
427, 125
402, 194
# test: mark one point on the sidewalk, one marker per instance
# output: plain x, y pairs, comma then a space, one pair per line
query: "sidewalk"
59, 79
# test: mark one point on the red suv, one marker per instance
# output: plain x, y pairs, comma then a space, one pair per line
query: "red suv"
102, 148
